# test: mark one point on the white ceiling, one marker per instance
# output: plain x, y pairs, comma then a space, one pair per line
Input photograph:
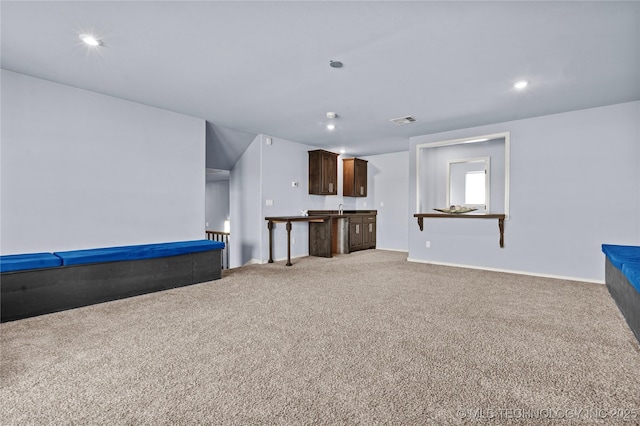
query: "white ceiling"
263, 67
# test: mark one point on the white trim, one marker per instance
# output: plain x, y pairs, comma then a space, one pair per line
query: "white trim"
390, 249
507, 271
507, 172
471, 139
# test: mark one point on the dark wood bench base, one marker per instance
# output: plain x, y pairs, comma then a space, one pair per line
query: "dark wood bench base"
42, 291
625, 295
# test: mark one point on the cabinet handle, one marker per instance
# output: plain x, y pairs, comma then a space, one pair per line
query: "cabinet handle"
362, 190
330, 186
371, 227
357, 229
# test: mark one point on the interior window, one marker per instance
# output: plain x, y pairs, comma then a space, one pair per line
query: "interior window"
468, 183
474, 188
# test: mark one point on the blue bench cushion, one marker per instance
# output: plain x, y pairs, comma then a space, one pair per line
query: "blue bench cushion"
619, 255
21, 262
631, 270
145, 251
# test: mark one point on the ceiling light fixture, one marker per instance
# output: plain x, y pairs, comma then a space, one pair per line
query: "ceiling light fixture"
521, 84
331, 116
90, 40
342, 151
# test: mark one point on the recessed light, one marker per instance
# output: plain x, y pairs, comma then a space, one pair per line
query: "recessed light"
331, 126
521, 84
335, 64
90, 40
342, 151
331, 115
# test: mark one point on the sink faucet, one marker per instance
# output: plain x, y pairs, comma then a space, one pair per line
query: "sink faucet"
340, 209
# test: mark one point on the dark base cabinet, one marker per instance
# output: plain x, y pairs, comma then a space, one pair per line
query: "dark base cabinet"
320, 239
350, 231
362, 232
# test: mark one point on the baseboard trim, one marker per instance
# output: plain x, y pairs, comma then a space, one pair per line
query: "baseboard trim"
508, 271
252, 262
390, 249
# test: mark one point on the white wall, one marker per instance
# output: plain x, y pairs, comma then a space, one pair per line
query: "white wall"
84, 170
388, 193
284, 162
574, 186
216, 209
245, 188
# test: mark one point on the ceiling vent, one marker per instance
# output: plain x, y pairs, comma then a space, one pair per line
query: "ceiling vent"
403, 120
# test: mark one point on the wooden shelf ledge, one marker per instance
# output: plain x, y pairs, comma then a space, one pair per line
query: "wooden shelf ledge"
500, 217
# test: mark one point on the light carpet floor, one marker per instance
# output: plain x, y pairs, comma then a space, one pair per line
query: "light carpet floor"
365, 338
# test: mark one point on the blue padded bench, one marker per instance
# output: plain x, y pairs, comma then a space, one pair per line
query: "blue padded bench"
138, 252
21, 262
622, 275
71, 279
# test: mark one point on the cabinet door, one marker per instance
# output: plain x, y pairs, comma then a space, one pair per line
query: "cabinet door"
355, 233
329, 174
354, 177
371, 232
369, 229
315, 172
366, 235
323, 172
361, 178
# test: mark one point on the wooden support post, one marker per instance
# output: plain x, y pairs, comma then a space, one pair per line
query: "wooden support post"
289, 243
270, 227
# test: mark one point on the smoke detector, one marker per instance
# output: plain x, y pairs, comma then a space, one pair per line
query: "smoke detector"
400, 121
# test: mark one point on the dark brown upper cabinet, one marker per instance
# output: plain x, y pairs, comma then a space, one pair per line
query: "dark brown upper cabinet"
354, 173
323, 172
